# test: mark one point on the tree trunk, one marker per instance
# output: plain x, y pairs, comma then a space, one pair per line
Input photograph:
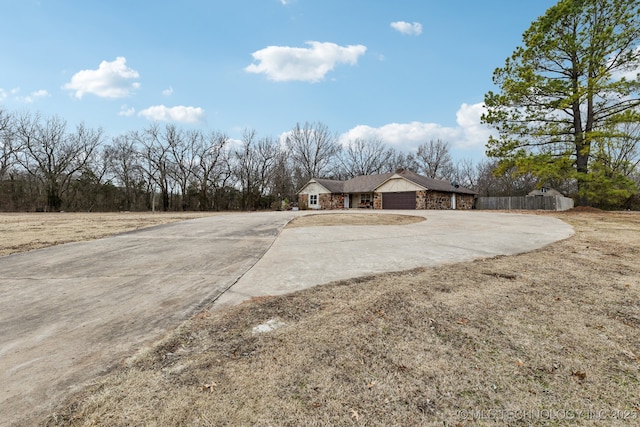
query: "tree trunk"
54, 202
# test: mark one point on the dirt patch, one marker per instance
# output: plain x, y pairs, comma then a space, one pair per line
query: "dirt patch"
548, 337
20, 232
319, 220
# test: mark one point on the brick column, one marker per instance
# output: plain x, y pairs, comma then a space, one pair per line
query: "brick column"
377, 200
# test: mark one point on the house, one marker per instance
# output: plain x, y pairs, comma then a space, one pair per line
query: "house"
402, 189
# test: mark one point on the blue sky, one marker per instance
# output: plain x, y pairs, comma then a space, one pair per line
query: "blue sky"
405, 71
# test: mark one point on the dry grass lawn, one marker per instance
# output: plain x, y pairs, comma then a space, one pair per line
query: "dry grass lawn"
20, 232
550, 337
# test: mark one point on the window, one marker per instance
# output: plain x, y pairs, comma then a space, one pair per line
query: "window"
313, 199
365, 201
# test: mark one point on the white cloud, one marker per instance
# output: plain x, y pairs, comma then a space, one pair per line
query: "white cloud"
39, 93
28, 99
33, 96
4, 95
404, 136
110, 80
627, 75
179, 113
411, 29
282, 63
126, 111
630, 73
468, 134
168, 92
474, 133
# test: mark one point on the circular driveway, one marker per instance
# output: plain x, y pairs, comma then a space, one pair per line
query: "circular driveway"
71, 312
308, 256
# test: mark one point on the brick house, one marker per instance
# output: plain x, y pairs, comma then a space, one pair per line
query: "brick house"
400, 190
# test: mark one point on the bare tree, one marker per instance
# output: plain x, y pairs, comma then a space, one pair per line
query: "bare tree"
212, 169
434, 159
620, 154
8, 148
6, 143
365, 157
123, 164
313, 150
465, 173
255, 161
400, 160
226, 194
183, 156
497, 181
488, 185
155, 161
92, 189
282, 183
51, 155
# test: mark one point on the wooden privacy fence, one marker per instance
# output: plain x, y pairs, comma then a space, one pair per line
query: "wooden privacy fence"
547, 203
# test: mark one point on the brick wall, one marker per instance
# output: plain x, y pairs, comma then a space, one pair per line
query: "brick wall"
464, 201
303, 201
421, 199
331, 201
437, 200
377, 200
424, 200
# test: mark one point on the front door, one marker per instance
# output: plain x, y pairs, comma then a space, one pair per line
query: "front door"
313, 201
346, 201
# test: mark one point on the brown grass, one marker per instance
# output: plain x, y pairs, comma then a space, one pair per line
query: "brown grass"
550, 337
20, 232
354, 219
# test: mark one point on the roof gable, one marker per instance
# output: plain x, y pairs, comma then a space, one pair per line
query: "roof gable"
313, 185
398, 183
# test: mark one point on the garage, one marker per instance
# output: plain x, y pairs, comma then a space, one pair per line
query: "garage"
403, 200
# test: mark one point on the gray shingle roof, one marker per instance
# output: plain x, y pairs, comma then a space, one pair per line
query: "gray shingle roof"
332, 185
368, 183
365, 183
434, 184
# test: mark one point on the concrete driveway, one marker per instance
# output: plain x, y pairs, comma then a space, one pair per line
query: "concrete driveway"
308, 256
72, 312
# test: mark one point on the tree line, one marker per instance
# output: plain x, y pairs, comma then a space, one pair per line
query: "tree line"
47, 166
